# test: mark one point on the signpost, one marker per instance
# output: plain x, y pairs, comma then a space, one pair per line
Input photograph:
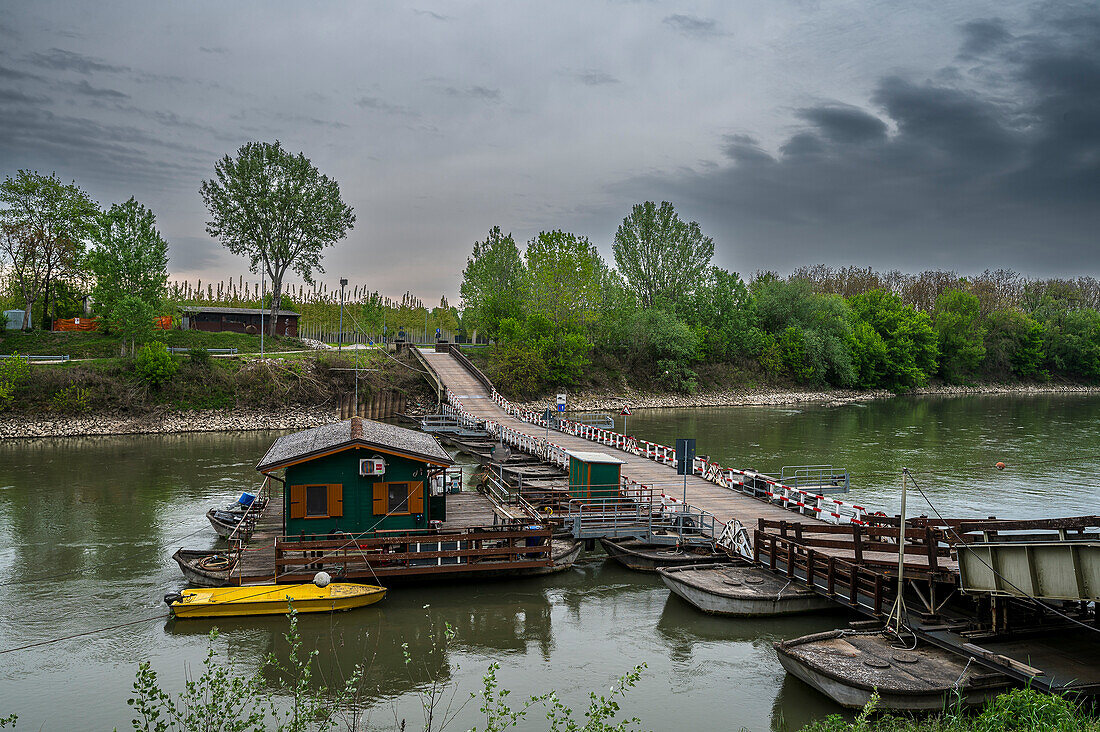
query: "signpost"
546, 418
561, 401
685, 459
624, 414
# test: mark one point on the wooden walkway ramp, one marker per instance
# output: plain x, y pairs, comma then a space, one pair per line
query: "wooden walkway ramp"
723, 503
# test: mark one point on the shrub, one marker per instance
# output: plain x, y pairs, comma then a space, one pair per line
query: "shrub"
199, 356
153, 363
72, 399
1027, 709
13, 372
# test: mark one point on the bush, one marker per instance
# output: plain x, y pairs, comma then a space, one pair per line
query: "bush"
13, 372
1022, 710
199, 356
72, 399
153, 364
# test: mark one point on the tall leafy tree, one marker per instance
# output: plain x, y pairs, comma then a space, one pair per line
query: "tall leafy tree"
46, 226
960, 334
910, 351
278, 210
492, 283
662, 258
565, 277
130, 258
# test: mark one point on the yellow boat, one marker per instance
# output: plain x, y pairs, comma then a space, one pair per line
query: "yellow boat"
221, 602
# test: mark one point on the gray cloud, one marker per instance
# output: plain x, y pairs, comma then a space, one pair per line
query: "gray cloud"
14, 96
483, 93
380, 105
594, 77
61, 60
970, 178
982, 36
691, 25
217, 50
83, 87
431, 14
15, 74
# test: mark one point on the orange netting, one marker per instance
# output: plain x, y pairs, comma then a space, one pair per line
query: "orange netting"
76, 324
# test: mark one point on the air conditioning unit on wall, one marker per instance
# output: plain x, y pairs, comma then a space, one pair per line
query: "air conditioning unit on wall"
372, 466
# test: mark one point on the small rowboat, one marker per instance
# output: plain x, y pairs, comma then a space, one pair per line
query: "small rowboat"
226, 522
221, 602
204, 568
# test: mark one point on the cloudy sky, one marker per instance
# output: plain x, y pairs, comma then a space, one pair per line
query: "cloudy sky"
912, 135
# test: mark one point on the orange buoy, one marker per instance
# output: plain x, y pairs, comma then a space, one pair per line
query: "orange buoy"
1000, 466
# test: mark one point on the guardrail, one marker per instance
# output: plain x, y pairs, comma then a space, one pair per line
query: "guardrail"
228, 351
26, 357
658, 521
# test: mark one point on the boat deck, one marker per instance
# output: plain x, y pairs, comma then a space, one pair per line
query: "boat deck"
257, 564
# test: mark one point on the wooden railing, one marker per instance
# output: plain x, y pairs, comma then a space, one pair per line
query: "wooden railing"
927, 542
384, 553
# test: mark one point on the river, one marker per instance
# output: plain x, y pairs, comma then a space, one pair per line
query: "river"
87, 526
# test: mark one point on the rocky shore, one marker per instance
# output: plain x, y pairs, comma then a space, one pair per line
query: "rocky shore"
772, 396
168, 422
298, 418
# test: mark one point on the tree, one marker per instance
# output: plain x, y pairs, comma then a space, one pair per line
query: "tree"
45, 226
276, 209
722, 311
492, 283
131, 318
661, 258
960, 334
130, 258
565, 276
1013, 344
909, 340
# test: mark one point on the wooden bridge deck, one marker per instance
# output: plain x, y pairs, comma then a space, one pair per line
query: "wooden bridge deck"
723, 503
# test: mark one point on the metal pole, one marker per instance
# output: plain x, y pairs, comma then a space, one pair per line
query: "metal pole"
899, 603
262, 287
340, 338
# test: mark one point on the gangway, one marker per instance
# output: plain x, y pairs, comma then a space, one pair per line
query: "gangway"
449, 424
819, 479
651, 522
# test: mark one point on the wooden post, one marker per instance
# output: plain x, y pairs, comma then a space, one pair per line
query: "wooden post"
810, 556
853, 586
790, 559
830, 581
933, 547
857, 543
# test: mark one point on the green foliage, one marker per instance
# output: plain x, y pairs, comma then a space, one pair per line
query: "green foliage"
1021, 710
492, 284
910, 340
662, 259
14, 372
130, 258
960, 334
722, 311
72, 399
810, 334
199, 356
276, 209
1071, 339
131, 319
1013, 344
564, 279
154, 365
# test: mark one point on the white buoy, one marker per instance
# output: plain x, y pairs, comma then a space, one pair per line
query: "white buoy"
322, 579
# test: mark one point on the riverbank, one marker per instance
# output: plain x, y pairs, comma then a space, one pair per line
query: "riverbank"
13, 427
602, 401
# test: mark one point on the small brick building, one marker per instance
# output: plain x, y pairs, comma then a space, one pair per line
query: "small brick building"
238, 320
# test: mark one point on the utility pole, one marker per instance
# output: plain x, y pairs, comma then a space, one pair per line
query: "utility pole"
340, 338
897, 612
263, 282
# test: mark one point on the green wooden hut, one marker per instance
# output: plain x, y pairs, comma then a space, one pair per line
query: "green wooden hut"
356, 476
594, 475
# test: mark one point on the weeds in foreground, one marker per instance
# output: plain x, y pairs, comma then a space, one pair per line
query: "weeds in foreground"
220, 701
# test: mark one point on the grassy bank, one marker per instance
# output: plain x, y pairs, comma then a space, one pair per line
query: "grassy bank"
100, 345
113, 386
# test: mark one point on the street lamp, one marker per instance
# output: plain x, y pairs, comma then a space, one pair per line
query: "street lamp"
340, 338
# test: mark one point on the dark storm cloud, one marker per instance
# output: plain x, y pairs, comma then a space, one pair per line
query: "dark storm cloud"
982, 36
691, 25
61, 60
14, 96
845, 124
938, 173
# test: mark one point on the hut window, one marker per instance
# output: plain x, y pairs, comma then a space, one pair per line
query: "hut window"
398, 497
316, 500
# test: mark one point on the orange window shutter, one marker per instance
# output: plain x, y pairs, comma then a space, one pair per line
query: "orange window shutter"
416, 498
336, 500
297, 501
381, 499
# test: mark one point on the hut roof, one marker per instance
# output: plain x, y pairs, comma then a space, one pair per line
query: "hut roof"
355, 431
595, 457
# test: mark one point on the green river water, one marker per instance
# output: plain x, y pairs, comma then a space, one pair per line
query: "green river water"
87, 526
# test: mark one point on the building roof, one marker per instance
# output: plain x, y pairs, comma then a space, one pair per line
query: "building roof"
355, 431
595, 457
233, 311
